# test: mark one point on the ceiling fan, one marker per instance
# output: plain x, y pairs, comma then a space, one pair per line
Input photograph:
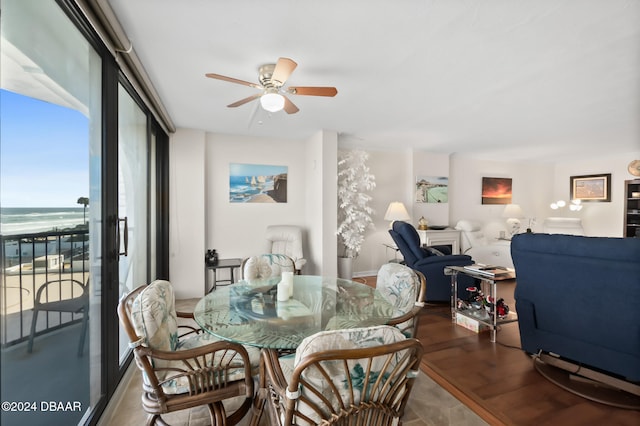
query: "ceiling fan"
273, 95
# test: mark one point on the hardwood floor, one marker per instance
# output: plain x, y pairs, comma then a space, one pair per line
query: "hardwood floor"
498, 380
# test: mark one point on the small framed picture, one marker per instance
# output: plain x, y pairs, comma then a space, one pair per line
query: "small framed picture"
591, 187
432, 189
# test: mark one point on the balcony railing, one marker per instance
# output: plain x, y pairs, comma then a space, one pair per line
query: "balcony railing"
30, 260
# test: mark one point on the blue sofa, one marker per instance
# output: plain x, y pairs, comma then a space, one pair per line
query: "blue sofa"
430, 263
579, 298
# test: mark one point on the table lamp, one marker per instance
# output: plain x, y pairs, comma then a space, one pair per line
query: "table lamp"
513, 213
396, 211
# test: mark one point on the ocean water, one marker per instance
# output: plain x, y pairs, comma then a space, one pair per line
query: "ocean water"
25, 220
242, 190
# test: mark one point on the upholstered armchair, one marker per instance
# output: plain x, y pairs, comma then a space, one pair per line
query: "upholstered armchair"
430, 263
287, 240
358, 376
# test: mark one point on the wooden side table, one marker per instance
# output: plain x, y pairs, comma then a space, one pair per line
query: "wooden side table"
230, 264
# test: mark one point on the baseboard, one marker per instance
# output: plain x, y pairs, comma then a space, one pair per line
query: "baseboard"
362, 274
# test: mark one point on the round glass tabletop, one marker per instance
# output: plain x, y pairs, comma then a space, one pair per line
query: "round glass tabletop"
249, 313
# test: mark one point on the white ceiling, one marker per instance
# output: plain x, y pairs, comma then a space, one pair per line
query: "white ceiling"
536, 79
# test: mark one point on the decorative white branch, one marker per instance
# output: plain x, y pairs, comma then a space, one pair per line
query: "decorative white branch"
354, 212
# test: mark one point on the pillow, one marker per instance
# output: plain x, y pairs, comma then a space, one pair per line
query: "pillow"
434, 251
468, 225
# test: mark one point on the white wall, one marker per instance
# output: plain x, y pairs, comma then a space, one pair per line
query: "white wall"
393, 183
396, 172
598, 218
202, 217
187, 212
531, 187
238, 229
321, 201
535, 186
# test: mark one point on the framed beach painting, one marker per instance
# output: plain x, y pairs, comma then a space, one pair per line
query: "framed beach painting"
496, 190
591, 187
430, 189
257, 183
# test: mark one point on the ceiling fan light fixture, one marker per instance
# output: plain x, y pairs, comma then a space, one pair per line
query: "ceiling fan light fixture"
272, 102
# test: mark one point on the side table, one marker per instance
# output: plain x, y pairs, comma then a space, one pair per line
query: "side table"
230, 264
485, 281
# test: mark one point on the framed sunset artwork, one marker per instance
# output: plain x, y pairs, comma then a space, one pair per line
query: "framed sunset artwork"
496, 190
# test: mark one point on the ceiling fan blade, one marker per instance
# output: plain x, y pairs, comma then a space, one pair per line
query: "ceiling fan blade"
289, 107
313, 91
283, 70
245, 100
233, 80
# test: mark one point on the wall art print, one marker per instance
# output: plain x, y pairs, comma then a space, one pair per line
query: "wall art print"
496, 190
591, 187
257, 183
430, 189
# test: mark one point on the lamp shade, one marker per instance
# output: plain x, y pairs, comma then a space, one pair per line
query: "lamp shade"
396, 211
513, 211
272, 102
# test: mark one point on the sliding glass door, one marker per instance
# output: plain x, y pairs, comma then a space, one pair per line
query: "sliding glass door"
51, 204
83, 197
133, 200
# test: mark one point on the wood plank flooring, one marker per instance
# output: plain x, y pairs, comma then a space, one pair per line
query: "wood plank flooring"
498, 380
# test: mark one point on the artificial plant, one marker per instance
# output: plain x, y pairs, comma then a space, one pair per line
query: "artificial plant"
354, 212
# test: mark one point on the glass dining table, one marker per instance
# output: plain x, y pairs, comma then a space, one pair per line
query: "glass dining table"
249, 313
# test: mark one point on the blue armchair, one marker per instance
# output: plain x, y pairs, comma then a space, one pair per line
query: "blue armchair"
430, 263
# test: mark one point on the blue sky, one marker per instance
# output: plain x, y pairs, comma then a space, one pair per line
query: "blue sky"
44, 153
255, 170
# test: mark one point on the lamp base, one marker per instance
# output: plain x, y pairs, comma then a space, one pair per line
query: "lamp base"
513, 225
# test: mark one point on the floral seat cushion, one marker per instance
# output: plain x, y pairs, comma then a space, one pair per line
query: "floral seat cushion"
400, 286
154, 316
339, 339
154, 319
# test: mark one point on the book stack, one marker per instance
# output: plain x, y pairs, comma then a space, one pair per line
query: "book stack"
491, 271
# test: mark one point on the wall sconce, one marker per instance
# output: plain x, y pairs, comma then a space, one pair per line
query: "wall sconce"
574, 206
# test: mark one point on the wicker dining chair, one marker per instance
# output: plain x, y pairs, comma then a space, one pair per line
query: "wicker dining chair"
405, 289
357, 377
186, 371
265, 266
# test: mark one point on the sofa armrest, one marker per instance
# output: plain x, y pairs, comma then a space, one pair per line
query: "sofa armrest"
442, 261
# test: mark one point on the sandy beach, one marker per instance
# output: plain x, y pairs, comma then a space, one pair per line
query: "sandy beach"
261, 198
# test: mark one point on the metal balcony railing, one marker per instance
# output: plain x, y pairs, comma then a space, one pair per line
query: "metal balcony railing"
30, 260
